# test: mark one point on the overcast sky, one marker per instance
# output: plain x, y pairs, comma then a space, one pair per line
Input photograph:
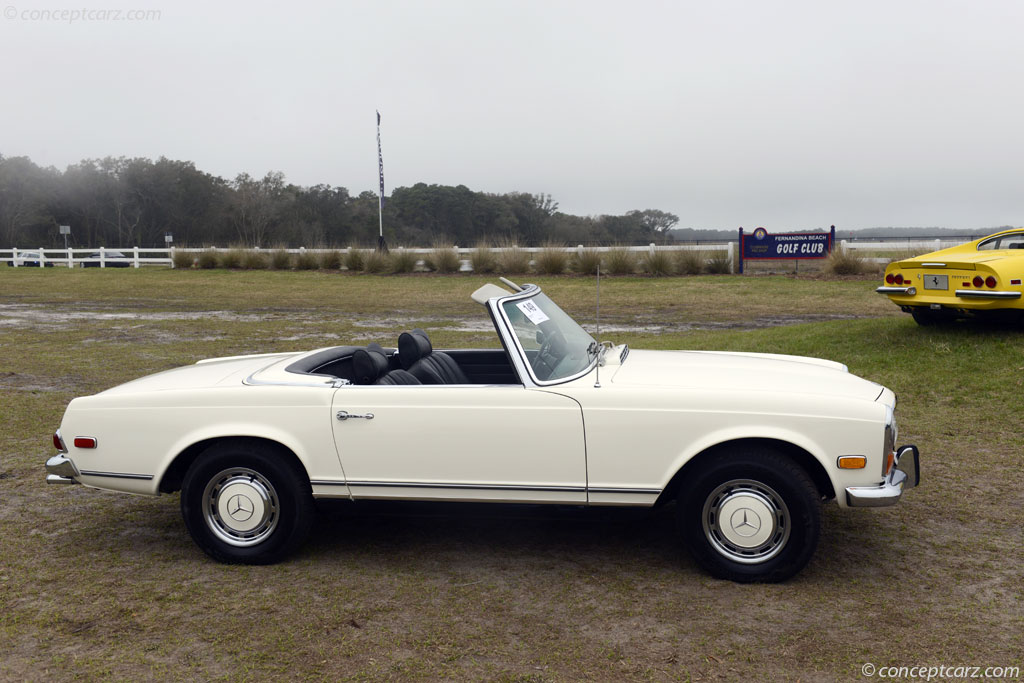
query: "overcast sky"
786, 114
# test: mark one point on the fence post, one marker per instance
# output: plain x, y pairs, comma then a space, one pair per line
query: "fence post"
14, 257
938, 244
71, 263
731, 255
136, 256
103, 257
171, 253
42, 257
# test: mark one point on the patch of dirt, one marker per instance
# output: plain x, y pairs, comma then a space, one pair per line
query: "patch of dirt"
19, 382
49, 317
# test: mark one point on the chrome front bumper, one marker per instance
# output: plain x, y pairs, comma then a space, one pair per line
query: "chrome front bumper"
60, 470
905, 474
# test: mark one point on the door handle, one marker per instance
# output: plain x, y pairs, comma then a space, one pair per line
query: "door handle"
345, 415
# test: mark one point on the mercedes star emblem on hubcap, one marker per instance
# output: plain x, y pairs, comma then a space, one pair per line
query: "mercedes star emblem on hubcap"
240, 508
745, 523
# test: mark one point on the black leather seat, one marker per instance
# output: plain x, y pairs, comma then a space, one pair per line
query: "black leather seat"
370, 366
417, 355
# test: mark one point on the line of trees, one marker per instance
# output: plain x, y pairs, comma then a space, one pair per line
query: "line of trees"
122, 202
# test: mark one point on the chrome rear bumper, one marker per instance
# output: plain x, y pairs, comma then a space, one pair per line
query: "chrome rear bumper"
905, 474
908, 291
60, 470
986, 294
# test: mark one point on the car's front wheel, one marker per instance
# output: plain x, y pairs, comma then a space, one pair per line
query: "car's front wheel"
751, 514
245, 502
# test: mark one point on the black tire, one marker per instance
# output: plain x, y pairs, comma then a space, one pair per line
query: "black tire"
924, 317
271, 498
773, 510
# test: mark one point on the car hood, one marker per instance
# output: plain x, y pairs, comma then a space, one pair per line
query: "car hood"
206, 373
743, 372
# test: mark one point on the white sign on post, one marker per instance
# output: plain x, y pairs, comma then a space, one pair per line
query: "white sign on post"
65, 229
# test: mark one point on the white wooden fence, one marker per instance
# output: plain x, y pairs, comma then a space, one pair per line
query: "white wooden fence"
137, 257
917, 246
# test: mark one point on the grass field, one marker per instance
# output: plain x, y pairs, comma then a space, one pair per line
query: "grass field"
96, 585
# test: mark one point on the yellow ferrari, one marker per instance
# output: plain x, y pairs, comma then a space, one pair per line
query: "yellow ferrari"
980, 278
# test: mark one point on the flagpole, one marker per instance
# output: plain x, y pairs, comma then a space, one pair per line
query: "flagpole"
382, 246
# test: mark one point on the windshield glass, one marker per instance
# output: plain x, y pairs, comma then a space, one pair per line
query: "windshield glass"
555, 346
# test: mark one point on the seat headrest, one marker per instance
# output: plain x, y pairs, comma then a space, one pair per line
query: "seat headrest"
368, 364
412, 346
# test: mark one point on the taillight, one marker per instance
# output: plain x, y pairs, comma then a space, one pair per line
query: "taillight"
889, 279
990, 282
978, 282
58, 442
898, 279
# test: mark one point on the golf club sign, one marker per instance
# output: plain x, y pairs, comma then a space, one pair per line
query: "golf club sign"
761, 245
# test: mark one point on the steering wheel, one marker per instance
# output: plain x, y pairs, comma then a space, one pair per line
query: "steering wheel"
552, 351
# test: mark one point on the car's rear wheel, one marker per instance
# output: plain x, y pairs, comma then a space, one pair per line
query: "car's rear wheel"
751, 514
924, 317
245, 501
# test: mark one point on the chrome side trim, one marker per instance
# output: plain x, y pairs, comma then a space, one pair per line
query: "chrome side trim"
643, 492
897, 290
479, 487
116, 475
488, 487
979, 294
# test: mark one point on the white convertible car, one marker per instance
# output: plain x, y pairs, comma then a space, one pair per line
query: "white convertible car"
747, 445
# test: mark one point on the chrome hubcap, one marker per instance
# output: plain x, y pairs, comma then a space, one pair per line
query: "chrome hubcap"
746, 521
241, 507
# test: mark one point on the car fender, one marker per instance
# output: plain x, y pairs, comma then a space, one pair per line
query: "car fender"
708, 441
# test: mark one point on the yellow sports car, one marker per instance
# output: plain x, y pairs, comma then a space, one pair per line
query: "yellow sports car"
980, 278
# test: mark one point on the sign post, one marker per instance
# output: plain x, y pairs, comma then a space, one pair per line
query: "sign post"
65, 230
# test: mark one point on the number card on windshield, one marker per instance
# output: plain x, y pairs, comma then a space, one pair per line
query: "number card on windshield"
532, 311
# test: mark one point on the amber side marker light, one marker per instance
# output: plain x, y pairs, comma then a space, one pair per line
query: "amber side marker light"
852, 462
85, 442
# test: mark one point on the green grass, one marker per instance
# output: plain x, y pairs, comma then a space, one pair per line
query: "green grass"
96, 585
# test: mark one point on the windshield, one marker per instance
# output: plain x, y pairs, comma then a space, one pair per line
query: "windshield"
555, 346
